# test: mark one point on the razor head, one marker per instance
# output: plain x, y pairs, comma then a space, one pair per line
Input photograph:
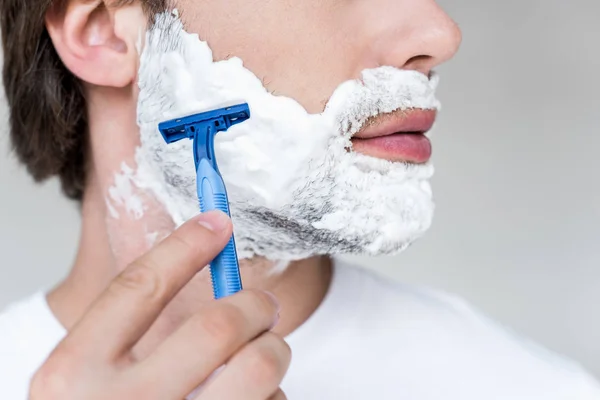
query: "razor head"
216, 120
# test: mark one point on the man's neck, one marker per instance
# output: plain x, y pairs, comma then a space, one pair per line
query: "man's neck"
108, 244
300, 286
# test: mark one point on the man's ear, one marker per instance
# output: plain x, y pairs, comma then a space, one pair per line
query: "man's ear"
97, 42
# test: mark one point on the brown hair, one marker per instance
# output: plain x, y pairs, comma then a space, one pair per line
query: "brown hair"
48, 114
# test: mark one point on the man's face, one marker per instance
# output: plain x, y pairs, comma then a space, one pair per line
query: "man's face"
305, 49
341, 78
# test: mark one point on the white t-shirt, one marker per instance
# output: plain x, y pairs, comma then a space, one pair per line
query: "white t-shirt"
370, 340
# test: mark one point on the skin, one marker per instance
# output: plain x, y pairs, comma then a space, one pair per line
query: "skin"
150, 309
234, 330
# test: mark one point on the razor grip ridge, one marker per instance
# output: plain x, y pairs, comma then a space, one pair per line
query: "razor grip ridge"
224, 269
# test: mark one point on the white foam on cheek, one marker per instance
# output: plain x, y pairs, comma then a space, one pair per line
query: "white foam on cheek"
294, 187
122, 195
260, 159
111, 209
151, 239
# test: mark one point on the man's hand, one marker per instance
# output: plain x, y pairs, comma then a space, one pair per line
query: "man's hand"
95, 360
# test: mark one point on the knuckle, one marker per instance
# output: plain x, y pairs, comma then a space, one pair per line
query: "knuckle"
222, 324
268, 363
140, 277
51, 381
181, 245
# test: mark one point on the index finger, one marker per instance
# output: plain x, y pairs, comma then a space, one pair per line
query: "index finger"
135, 298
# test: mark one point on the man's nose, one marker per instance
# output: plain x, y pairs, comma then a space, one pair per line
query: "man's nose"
413, 34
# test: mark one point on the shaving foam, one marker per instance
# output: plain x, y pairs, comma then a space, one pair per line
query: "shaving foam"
295, 188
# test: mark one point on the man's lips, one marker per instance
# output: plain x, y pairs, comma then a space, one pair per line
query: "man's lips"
398, 136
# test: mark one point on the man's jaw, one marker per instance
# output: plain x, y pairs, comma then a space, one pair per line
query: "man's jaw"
295, 189
398, 136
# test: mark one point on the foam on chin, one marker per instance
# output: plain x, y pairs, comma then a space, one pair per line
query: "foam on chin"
295, 189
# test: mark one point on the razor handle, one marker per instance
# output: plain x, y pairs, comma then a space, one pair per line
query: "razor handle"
224, 269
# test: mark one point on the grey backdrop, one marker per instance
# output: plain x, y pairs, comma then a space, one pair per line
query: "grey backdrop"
517, 184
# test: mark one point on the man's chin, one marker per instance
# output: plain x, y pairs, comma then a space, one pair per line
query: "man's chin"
371, 231
292, 245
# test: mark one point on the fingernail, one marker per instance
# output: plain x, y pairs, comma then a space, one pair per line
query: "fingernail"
215, 221
274, 299
275, 322
276, 302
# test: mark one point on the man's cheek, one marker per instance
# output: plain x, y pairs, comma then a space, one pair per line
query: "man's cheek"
294, 188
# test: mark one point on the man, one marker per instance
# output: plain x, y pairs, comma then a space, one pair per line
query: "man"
134, 318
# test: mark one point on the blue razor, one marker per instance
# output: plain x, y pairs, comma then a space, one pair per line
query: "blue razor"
201, 128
